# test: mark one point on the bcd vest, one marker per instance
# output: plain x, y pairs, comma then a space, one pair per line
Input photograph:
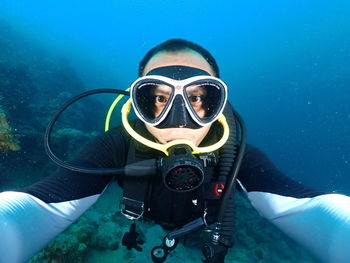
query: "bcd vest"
148, 198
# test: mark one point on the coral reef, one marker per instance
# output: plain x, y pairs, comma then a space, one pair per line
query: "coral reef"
8, 141
66, 248
92, 231
100, 229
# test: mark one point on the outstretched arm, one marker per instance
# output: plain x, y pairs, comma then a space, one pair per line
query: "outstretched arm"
319, 221
32, 216
27, 223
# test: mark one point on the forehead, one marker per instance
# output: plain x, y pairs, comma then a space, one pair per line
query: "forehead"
188, 58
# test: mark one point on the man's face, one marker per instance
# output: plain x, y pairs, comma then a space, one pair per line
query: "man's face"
196, 95
161, 94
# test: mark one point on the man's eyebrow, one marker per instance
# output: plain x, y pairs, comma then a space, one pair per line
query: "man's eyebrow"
196, 89
161, 89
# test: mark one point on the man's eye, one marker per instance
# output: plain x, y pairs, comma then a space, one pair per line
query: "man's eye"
161, 99
195, 99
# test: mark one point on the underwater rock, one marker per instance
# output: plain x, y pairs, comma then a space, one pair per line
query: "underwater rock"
108, 236
8, 141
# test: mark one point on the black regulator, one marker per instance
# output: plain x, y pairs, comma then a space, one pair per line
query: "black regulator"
181, 170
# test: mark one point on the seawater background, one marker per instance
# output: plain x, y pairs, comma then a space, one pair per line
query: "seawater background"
287, 64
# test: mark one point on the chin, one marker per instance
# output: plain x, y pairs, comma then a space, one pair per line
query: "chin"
171, 134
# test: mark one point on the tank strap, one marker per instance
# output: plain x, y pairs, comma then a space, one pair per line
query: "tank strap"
135, 189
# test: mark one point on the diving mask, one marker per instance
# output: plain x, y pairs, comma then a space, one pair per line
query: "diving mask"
188, 98
177, 97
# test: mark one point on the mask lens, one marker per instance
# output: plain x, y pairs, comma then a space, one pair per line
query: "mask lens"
206, 100
151, 99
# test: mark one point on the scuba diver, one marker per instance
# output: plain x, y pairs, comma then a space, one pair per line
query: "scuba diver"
179, 164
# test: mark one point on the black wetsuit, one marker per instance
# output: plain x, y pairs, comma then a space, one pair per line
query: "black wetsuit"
32, 216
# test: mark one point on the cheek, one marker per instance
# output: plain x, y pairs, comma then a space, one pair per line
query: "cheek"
200, 111
157, 110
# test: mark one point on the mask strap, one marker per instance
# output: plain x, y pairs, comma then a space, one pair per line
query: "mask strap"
164, 147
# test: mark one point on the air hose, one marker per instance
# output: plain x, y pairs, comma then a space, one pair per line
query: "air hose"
224, 226
69, 166
235, 168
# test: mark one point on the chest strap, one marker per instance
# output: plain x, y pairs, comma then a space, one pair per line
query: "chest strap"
135, 188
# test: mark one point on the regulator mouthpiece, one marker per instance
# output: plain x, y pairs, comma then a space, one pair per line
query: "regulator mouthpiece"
181, 171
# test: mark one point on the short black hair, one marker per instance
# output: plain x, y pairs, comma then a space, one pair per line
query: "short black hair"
175, 45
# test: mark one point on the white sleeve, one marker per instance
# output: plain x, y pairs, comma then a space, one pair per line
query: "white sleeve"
321, 223
27, 224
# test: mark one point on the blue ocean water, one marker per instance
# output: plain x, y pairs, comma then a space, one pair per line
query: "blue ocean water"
287, 64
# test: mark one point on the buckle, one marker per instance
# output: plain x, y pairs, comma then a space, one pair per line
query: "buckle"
205, 217
125, 206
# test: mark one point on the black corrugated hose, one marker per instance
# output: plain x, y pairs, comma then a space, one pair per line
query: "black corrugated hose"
229, 164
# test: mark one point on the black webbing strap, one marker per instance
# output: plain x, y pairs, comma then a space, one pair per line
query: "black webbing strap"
135, 190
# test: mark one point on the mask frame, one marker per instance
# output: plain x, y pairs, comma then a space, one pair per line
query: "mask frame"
178, 89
